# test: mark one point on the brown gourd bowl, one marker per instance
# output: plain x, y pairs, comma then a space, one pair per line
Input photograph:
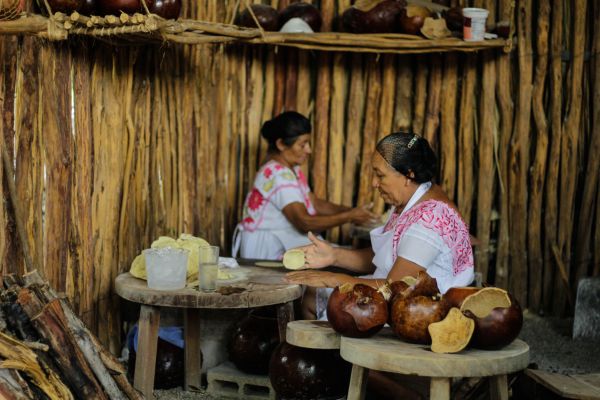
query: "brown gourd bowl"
357, 311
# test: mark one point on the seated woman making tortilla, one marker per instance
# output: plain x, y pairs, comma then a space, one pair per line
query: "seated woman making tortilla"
424, 232
280, 208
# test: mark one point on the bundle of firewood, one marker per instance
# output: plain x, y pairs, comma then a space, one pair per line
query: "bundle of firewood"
46, 352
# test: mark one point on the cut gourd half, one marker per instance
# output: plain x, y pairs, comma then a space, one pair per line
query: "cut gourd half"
482, 303
452, 334
294, 259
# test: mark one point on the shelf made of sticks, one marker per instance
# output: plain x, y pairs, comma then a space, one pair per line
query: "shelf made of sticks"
143, 29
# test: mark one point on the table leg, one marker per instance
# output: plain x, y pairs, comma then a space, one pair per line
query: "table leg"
499, 387
358, 383
439, 389
145, 362
193, 353
285, 314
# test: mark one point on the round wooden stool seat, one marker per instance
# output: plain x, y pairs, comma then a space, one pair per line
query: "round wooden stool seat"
385, 352
312, 334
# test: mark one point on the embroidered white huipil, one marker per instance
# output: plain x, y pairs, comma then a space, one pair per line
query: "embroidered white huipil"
265, 232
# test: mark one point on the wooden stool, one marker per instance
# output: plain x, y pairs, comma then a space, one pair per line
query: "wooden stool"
385, 352
312, 334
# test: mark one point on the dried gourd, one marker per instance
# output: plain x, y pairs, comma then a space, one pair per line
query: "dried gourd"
452, 334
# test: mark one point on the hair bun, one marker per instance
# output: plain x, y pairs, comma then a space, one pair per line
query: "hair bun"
267, 131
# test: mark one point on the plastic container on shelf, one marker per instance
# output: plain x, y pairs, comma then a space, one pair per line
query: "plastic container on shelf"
474, 23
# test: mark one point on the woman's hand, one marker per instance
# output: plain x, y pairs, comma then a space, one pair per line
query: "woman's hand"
319, 279
363, 216
319, 254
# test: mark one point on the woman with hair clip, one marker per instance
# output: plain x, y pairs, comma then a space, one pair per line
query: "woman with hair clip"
424, 232
280, 208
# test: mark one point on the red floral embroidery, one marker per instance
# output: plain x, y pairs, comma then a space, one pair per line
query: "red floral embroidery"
278, 167
255, 200
267, 173
248, 220
446, 222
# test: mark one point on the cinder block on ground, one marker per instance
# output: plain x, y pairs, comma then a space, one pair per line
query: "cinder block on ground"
586, 323
225, 380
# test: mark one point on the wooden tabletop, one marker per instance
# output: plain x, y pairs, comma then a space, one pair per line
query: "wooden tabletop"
312, 334
385, 352
262, 287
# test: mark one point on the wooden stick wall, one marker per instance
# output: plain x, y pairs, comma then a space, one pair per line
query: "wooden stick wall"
112, 147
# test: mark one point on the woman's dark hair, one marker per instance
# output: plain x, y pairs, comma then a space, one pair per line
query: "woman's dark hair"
407, 153
286, 126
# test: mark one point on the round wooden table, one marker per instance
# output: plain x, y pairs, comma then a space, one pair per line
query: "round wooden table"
385, 352
261, 287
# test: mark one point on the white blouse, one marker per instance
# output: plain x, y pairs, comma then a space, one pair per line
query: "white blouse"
265, 232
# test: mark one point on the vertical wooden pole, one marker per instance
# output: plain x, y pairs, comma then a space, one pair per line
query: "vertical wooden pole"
448, 145
337, 135
28, 164
81, 229
386, 112
584, 254
365, 191
519, 158
404, 94
420, 94
323, 97
569, 148
59, 157
536, 189
13, 259
486, 170
550, 274
356, 108
432, 116
466, 138
505, 108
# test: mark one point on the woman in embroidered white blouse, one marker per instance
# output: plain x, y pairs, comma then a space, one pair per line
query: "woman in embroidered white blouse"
280, 208
425, 231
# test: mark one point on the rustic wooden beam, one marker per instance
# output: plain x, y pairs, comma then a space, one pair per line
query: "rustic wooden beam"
404, 94
486, 167
466, 139
420, 94
356, 108
322, 110
373, 71
448, 145
386, 112
550, 276
505, 110
538, 170
519, 158
337, 133
583, 253
569, 147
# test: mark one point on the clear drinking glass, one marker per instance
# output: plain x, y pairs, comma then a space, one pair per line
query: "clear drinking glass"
166, 268
208, 268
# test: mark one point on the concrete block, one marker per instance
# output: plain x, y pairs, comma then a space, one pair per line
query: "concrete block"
225, 380
586, 323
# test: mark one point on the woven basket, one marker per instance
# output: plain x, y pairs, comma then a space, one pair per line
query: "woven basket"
10, 9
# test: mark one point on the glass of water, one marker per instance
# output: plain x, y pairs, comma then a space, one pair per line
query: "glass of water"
208, 268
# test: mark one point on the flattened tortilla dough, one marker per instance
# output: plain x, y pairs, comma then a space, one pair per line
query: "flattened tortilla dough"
294, 259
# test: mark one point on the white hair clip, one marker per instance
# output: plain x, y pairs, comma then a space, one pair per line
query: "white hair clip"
413, 141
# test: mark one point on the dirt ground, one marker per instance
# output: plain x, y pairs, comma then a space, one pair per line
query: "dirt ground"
552, 349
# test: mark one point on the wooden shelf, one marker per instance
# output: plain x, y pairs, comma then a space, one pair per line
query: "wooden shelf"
141, 29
